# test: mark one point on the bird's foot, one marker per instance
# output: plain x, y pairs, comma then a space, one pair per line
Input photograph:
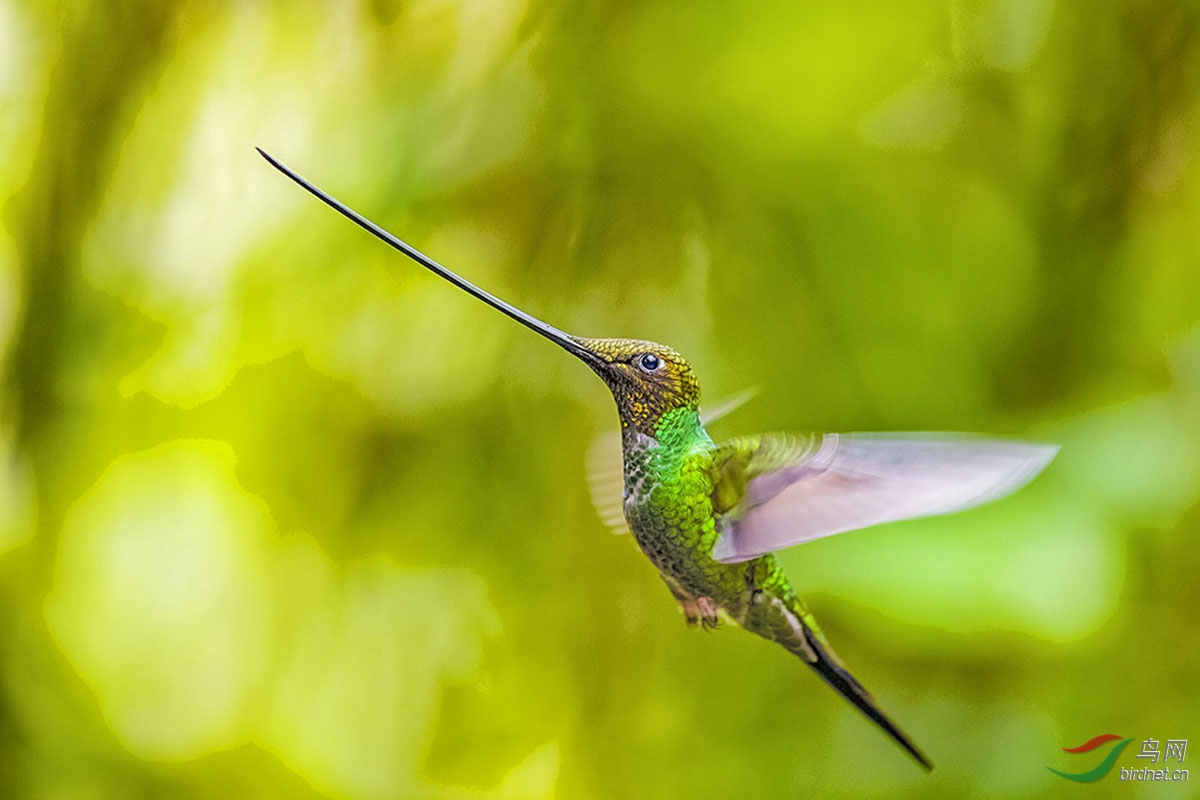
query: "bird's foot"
701, 610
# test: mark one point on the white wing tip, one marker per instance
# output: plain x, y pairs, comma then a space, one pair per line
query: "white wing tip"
1037, 459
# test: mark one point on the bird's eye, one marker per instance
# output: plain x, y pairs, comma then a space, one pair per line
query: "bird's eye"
649, 362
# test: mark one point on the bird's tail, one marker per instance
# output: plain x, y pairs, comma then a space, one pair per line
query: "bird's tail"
806, 641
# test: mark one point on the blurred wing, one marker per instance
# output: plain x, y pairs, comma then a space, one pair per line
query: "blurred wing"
781, 490
606, 479
726, 406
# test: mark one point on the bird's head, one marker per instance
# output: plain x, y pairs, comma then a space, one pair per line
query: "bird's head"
647, 380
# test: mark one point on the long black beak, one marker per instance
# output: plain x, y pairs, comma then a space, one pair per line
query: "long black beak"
564, 340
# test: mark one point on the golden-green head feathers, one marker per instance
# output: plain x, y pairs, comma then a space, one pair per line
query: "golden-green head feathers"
647, 380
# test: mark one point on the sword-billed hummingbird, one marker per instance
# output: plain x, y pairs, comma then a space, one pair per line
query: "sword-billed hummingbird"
709, 516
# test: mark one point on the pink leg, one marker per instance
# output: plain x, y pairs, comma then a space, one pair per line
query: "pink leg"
695, 609
708, 612
691, 610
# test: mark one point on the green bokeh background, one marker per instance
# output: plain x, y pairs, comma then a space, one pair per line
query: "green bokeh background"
284, 516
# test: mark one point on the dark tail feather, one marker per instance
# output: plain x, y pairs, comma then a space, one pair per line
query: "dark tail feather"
840, 679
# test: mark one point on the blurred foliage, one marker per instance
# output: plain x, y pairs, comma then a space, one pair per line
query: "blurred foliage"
282, 515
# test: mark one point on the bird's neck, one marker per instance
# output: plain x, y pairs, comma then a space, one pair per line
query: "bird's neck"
677, 433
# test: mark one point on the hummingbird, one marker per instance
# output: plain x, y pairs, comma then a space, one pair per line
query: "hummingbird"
709, 516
